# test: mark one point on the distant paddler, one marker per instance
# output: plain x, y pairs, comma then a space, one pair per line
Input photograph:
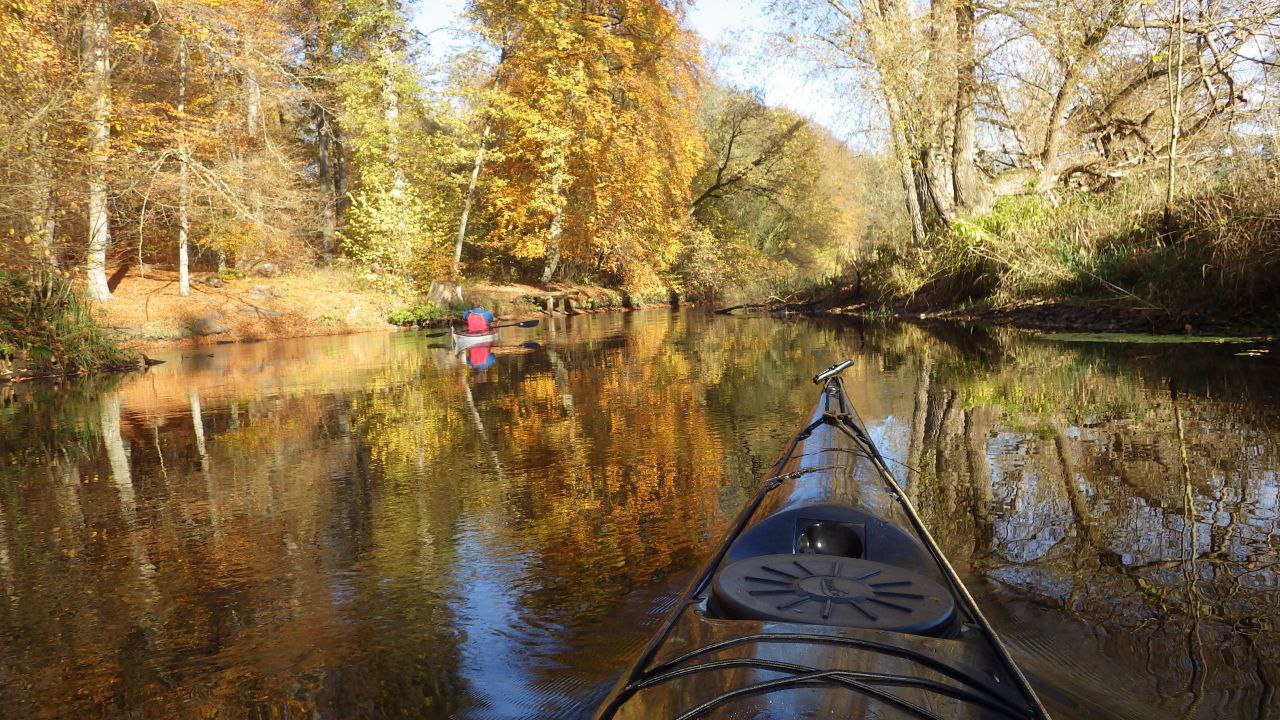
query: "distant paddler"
480, 330
477, 318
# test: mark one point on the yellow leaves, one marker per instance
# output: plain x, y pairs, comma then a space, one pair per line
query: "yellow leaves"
588, 131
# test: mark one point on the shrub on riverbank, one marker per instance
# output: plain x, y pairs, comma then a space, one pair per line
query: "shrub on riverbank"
422, 314
1219, 251
45, 328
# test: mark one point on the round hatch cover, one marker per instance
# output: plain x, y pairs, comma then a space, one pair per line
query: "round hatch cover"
827, 590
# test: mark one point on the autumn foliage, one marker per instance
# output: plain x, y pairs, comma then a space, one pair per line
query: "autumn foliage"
595, 132
572, 141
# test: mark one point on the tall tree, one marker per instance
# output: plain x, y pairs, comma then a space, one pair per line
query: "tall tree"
184, 174
594, 133
1008, 97
96, 59
402, 192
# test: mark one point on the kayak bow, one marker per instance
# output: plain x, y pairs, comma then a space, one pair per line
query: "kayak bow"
828, 598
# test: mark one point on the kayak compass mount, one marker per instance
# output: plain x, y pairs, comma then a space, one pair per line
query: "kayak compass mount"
832, 371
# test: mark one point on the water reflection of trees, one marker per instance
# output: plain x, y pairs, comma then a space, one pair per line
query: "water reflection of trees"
362, 527
1077, 478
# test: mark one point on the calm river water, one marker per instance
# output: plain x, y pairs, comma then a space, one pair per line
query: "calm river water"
361, 527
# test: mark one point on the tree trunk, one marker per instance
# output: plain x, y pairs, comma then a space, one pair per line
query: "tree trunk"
553, 248
184, 171
95, 36
915, 212
44, 222
466, 206
328, 208
338, 160
391, 114
970, 194
906, 170
244, 259
1050, 162
936, 182
1176, 57
252, 101
557, 221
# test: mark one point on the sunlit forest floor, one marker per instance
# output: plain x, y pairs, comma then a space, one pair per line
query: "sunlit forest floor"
147, 310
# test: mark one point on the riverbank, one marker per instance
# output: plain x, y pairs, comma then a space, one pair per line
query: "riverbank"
1111, 260
147, 314
1066, 315
46, 329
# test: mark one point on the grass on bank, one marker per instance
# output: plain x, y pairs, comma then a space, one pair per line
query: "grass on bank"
46, 328
1218, 253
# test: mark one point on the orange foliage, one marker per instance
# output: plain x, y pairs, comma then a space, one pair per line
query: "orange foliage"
596, 137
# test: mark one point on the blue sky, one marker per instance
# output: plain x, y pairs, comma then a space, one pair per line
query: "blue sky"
738, 47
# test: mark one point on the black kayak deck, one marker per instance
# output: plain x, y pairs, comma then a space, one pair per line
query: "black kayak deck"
827, 599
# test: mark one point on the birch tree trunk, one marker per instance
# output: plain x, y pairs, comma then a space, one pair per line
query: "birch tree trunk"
253, 124
466, 205
95, 58
553, 247
391, 114
254, 127
184, 179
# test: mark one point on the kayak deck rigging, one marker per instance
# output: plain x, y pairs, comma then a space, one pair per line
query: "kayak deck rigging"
829, 589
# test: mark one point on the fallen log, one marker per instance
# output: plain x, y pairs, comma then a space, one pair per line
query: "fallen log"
772, 307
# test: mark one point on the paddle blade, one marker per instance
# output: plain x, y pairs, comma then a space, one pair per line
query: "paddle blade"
527, 323
530, 345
